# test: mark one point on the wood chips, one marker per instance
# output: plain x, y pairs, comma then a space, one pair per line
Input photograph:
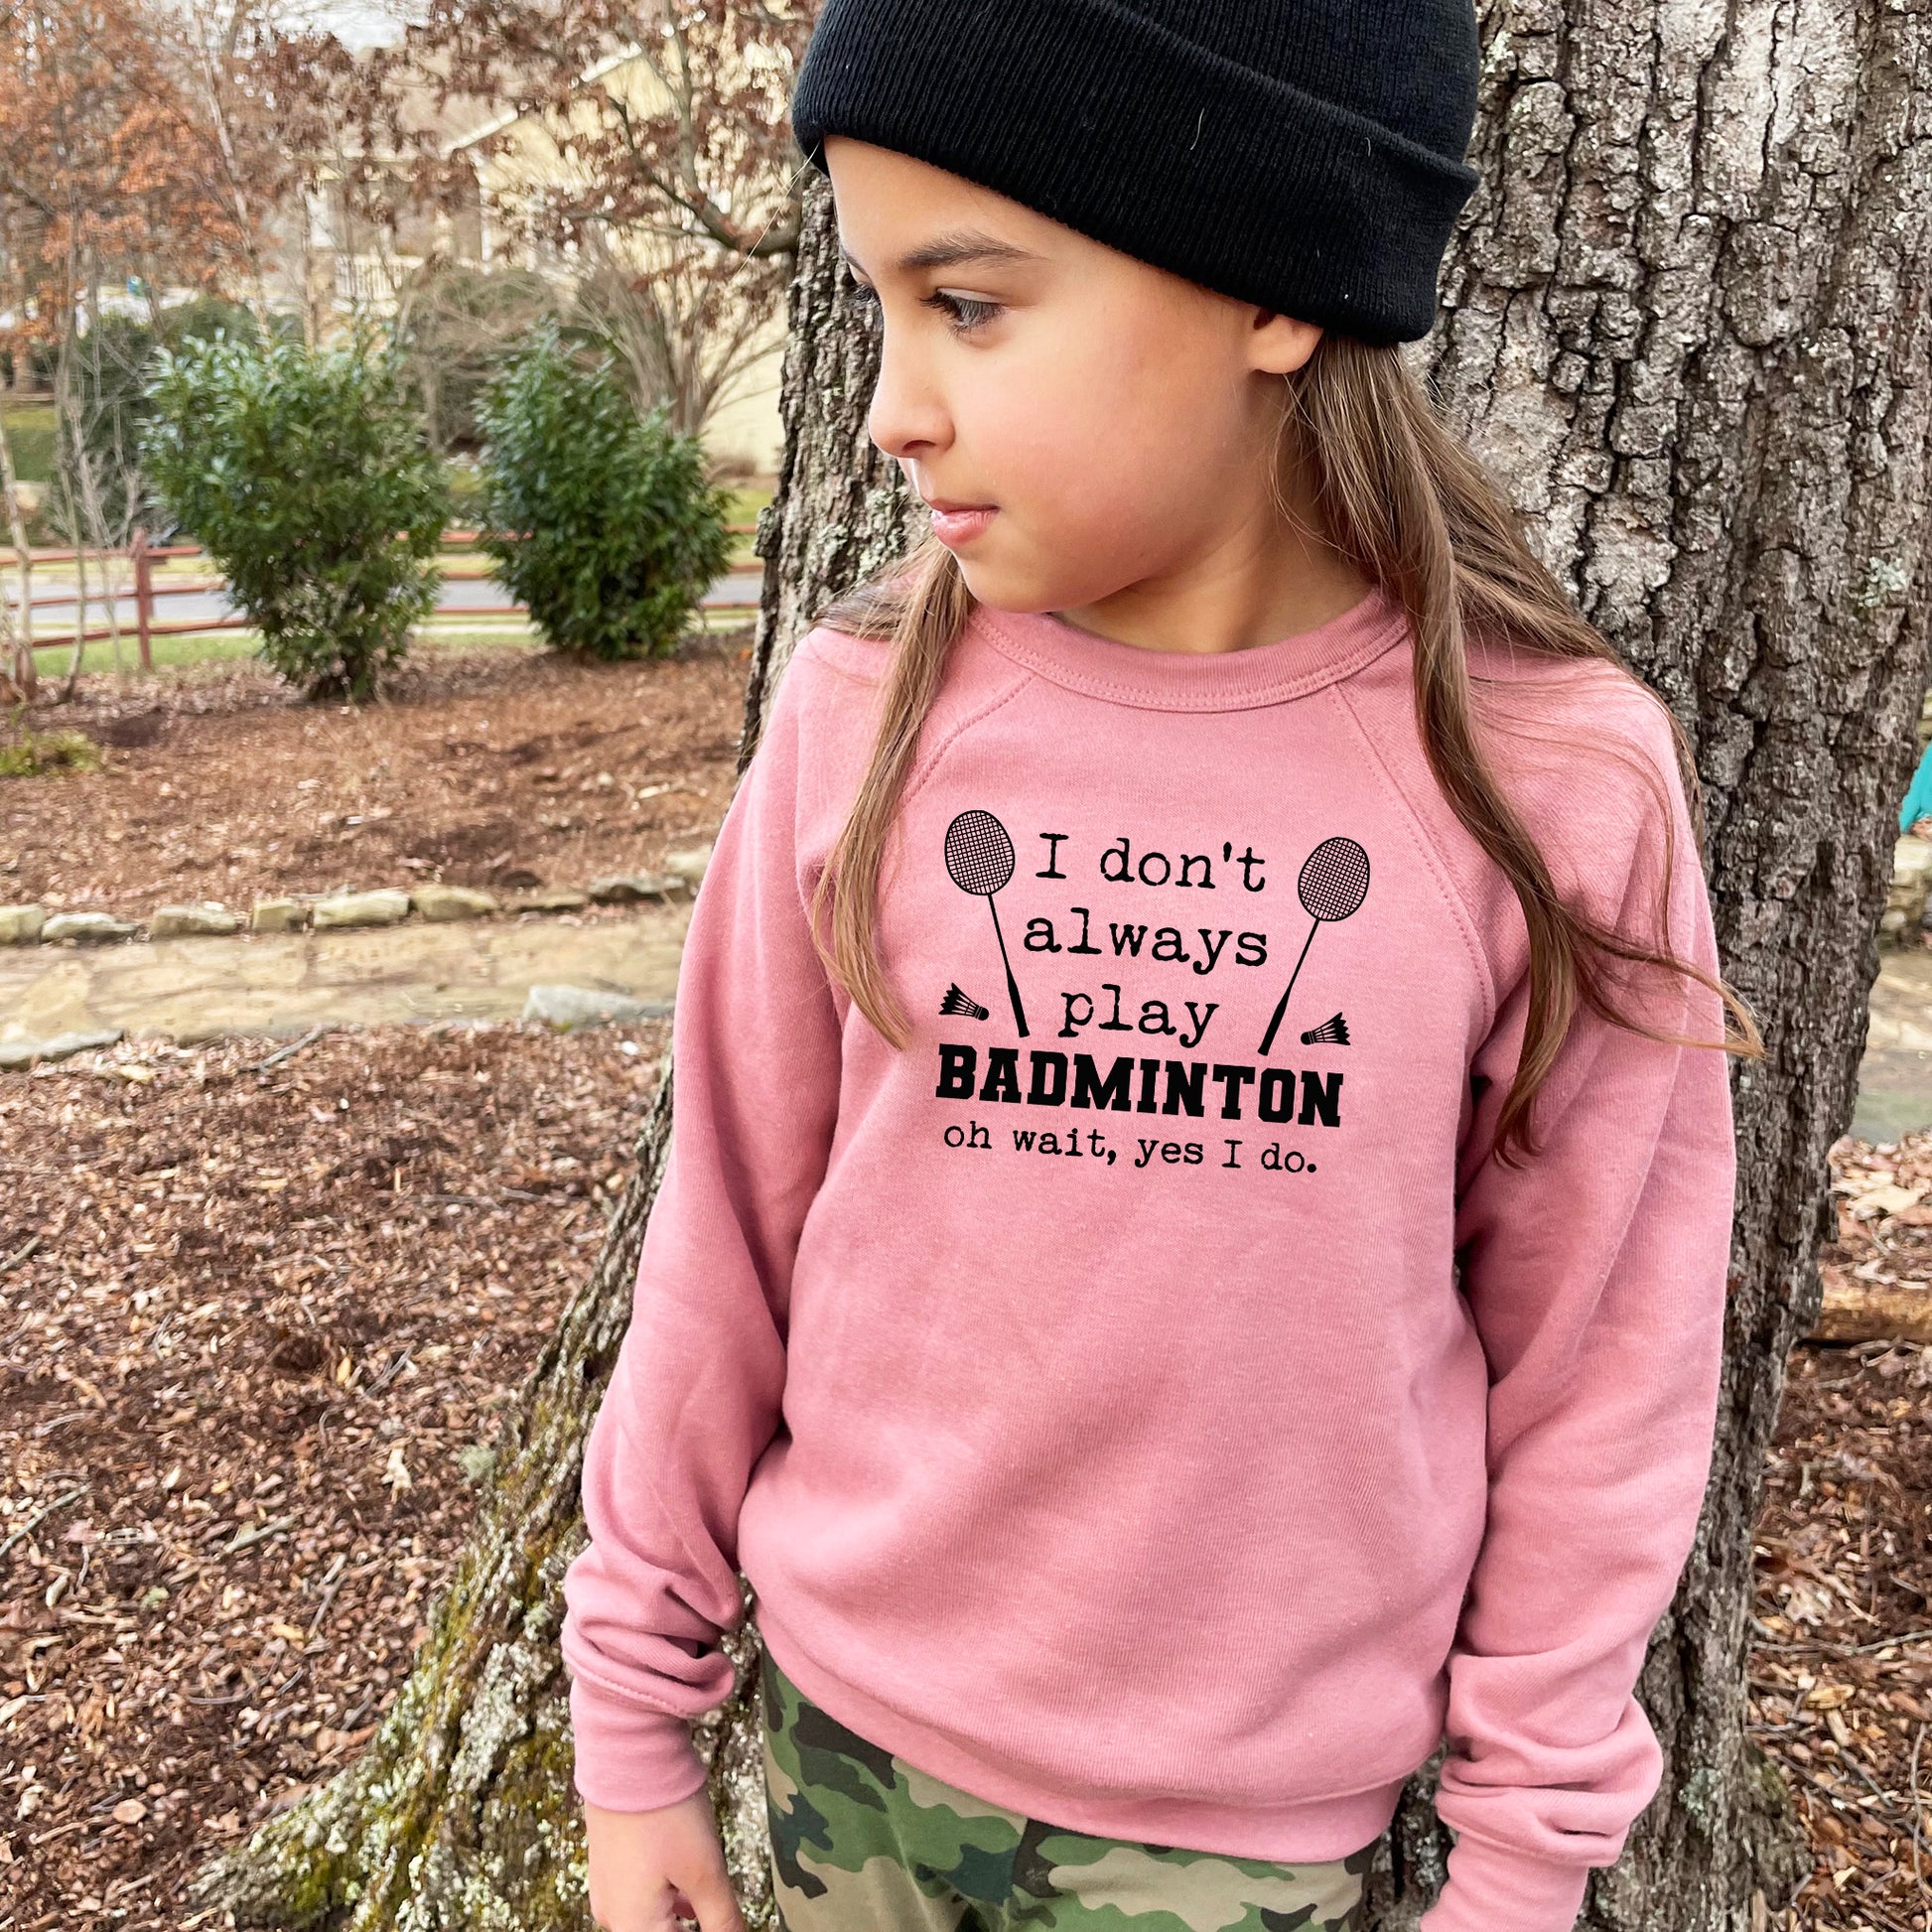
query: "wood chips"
256, 1334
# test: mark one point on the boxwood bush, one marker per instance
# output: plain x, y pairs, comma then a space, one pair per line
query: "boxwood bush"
305, 476
600, 519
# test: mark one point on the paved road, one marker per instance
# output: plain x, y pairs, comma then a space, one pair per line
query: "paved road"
458, 594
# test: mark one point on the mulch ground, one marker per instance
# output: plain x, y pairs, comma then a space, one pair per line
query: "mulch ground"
257, 1323
1841, 1673
1840, 1677
504, 767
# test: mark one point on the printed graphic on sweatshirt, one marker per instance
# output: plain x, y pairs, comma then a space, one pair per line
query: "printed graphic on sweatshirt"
1085, 976
1333, 883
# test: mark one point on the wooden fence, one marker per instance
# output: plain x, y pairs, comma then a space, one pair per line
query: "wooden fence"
146, 593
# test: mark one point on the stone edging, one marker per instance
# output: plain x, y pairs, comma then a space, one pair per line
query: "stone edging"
27, 925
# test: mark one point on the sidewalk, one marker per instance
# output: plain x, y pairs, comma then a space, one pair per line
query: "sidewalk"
200, 989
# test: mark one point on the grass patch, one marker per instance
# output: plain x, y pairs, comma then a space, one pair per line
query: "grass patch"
510, 635
29, 432
29, 753
745, 508
169, 653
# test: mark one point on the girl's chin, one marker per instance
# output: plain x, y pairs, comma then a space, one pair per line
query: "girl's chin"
1022, 591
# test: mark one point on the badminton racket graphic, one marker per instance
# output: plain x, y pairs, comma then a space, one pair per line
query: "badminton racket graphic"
1332, 884
979, 855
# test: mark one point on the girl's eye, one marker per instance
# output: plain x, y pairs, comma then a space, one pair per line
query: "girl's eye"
965, 312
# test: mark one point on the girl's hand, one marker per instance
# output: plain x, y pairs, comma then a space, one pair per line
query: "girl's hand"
651, 1868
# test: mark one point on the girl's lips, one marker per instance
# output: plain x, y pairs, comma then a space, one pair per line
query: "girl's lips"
953, 528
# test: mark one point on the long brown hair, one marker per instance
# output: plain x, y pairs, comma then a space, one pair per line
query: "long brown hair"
1415, 512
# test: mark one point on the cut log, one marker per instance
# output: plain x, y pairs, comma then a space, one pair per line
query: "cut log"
1855, 1311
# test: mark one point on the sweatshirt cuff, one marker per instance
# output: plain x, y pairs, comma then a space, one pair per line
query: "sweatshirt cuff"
630, 1757
1492, 1889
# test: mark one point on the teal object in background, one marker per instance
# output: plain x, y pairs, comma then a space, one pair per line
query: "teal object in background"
1918, 801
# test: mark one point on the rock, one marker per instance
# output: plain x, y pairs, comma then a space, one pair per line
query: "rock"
191, 921
1912, 884
689, 865
386, 908
567, 1008
19, 925
454, 902
626, 889
560, 899
85, 928
278, 915
17, 1053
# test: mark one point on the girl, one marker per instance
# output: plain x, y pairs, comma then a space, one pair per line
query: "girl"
1191, 1268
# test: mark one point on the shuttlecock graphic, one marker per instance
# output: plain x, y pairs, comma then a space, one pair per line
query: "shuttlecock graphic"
958, 1002
1330, 1032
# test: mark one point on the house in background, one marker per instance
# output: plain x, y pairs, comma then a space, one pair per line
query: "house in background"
701, 329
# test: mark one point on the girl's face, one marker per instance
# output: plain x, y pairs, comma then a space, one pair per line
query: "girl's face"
1082, 422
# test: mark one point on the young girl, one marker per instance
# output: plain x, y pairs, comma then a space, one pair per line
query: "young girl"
1192, 1263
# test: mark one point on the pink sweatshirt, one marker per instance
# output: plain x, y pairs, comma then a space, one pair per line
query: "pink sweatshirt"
1088, 1391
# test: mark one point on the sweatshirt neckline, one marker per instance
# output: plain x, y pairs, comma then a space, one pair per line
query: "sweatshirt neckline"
1174, 680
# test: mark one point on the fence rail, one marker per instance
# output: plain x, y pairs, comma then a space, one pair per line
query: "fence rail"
146, 593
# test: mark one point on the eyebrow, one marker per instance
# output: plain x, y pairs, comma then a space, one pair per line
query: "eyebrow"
955, 247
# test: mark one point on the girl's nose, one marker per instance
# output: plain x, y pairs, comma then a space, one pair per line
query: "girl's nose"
907, 417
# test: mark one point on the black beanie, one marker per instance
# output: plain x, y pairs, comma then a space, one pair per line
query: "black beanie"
1303, 154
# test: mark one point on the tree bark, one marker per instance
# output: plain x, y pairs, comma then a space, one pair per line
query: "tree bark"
1686, 320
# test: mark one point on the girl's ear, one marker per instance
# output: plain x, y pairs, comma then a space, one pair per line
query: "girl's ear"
1280, 345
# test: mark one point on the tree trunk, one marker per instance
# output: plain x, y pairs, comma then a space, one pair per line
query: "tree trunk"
1687, 322
1687, 319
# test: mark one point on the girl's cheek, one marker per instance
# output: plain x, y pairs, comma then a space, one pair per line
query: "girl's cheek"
1045, 434
1075, 547
1093, 475
1023, 416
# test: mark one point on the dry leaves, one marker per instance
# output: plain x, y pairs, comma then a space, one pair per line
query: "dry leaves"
252, 1371
1883, 1198
502, 769
1840, 1668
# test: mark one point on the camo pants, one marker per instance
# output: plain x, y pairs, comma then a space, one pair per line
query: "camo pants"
861, 1842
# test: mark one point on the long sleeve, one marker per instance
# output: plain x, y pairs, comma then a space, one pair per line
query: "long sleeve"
1596, 1276
695, 1396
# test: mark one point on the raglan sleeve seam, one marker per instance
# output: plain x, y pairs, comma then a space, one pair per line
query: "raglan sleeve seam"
1409, 814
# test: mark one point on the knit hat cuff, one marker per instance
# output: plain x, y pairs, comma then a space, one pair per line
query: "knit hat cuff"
1151, 143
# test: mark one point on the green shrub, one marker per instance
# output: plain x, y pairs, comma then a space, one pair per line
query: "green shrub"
601, 520
113, 364
305, 476
27, 754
